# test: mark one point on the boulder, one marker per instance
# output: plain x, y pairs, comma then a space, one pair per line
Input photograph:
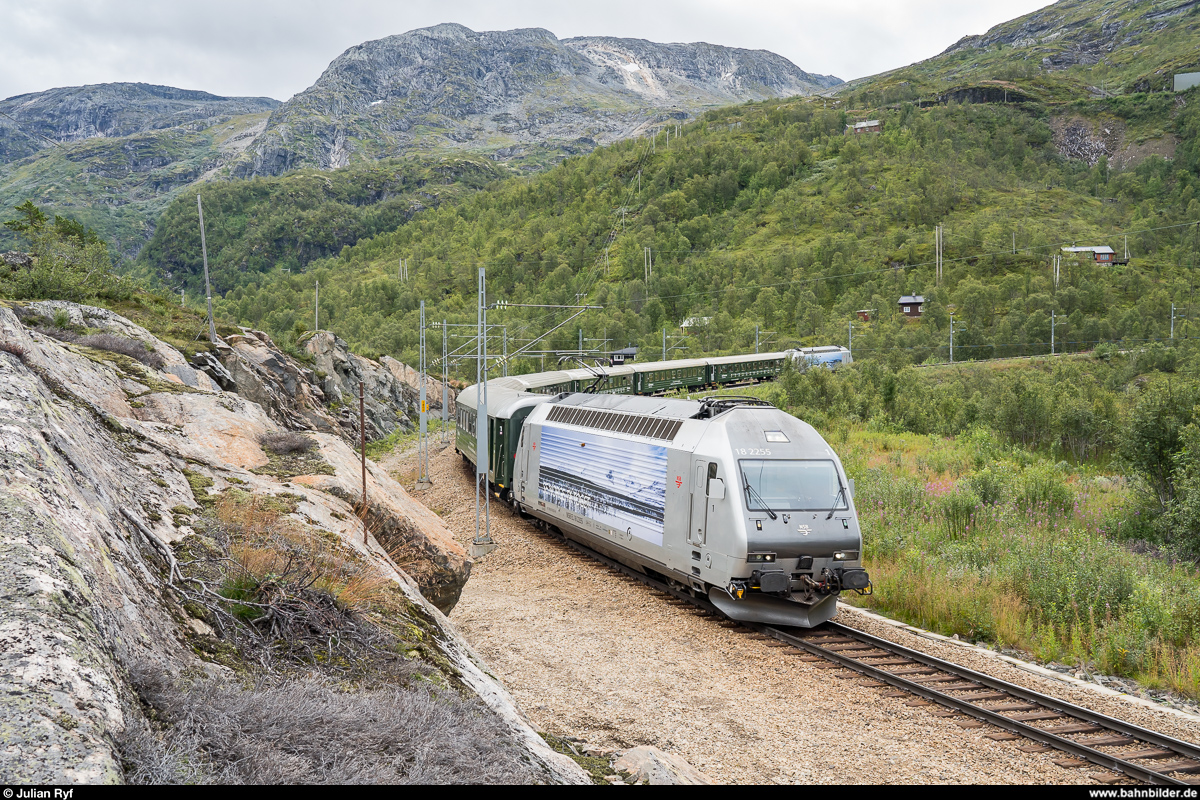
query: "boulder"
649, 764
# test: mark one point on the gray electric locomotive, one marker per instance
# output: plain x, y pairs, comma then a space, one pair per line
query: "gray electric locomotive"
730, 498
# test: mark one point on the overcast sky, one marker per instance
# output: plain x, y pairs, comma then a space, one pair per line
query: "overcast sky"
277, 48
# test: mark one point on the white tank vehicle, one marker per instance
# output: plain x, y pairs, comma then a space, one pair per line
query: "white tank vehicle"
729, 498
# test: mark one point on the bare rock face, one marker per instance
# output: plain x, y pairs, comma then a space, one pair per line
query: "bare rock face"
99, 458
389, 403
411, 377
411, 533
448, 86
263, 374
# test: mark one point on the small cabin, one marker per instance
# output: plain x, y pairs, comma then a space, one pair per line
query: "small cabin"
864, 314
912, 305
626, 356
1101, 254
866, 126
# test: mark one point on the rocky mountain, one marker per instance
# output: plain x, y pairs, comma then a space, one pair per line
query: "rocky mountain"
114, 155
30, 123
520, 93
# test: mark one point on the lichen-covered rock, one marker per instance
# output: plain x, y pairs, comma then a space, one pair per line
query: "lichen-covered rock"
91, 483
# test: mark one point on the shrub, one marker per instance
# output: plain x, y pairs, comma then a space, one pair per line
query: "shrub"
311, 730
286, 442
120, 344
993, 484
1041, 486
14, 348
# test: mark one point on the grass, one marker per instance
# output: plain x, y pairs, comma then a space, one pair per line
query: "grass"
1045, 567
401, 439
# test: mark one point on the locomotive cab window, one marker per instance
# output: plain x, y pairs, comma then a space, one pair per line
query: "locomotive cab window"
792, 485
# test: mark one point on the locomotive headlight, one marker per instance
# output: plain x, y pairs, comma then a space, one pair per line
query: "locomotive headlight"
846, 555
761, 558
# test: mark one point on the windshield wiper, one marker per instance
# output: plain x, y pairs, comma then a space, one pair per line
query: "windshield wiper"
841, 491
750, 490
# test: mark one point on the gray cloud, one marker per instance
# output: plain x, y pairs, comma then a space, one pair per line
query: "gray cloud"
275, 48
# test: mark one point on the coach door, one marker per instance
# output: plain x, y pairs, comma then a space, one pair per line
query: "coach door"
702, 471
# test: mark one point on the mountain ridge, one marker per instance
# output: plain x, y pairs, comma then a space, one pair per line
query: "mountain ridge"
448, 87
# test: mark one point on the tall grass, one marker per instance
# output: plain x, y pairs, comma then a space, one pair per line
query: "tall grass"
1023, 553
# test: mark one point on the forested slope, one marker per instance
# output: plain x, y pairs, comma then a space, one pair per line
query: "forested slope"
768, 214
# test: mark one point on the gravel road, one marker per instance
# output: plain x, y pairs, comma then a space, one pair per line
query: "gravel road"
599, 657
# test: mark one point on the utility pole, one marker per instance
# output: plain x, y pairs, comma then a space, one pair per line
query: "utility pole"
212, 327
756, 338
1052, 333
482, 543
505, 362
937, 254
317, 308
664, 358
951, 338
445, 388
423, 437
362, 449
850, 338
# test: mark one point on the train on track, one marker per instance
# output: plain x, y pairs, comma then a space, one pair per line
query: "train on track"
726, 497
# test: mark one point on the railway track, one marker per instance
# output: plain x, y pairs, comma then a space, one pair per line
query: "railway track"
968, 698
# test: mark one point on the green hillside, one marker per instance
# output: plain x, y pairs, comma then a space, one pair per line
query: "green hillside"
119, 185
768, 214
1068, 51
284, 223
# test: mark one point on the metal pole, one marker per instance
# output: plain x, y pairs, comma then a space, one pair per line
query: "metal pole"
506, 351
483, 528
445, 389
423, 436
1051, 333
664, 344
951, 338
212, 327
317, 308
362, 444
850, 338
756, 339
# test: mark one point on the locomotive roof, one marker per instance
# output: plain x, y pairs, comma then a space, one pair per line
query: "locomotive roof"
742, 359
683, 363
634, 404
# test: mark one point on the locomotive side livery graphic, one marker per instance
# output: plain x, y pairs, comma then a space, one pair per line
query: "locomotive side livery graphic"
619, 484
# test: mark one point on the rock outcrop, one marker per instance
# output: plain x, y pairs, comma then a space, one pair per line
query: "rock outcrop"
289, 392
104, 464
389, 403
433, 387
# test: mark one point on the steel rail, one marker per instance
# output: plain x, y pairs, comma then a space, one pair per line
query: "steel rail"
1070, 746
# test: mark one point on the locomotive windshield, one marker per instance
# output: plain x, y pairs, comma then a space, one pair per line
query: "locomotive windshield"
779, 485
